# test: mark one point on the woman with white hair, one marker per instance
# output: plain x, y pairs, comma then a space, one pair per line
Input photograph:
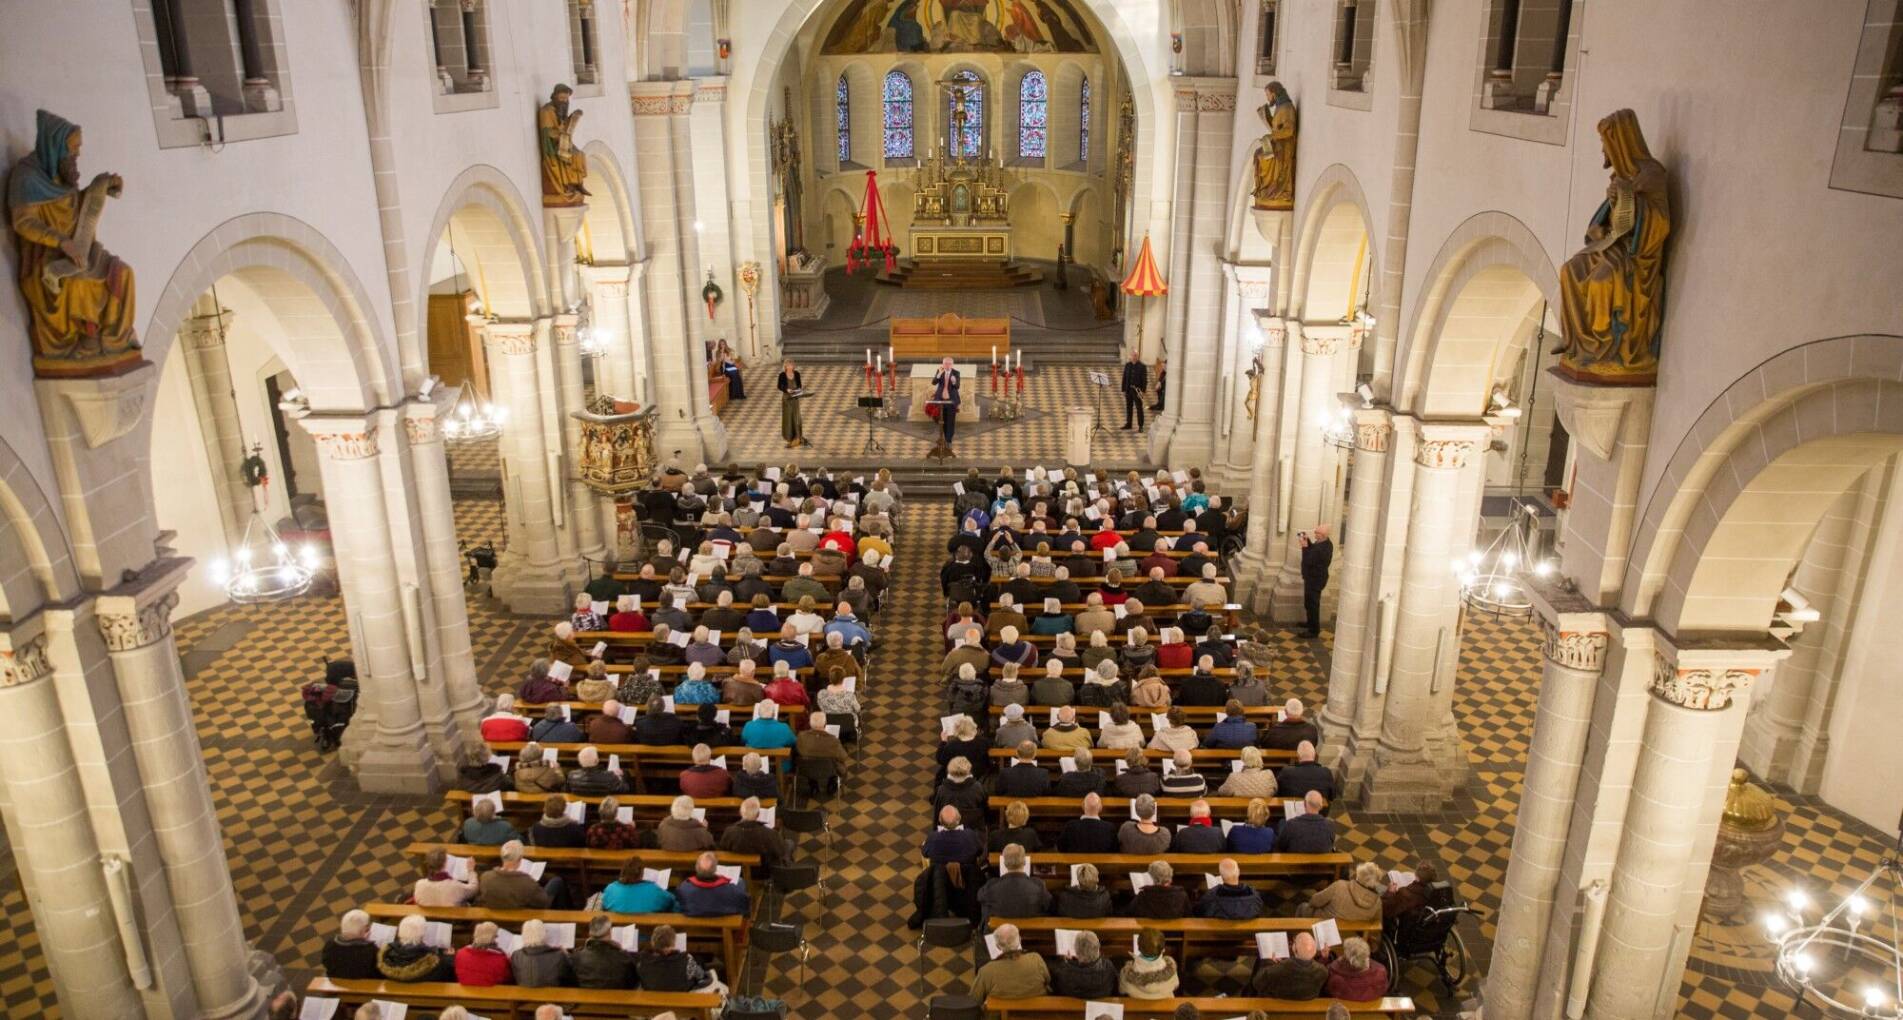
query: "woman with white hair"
1252, 780
481, 963
961, 790
585, 618
1351, 899
406, 958
351, 956
1354, 975
1084, 974
680, 831
755, 779
964, 742
536, 964
1098, 652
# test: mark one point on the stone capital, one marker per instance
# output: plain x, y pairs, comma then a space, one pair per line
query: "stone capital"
139, 612
1374, 429
1707, 676
658, 98
516, 338
611, 279
342, 437
205, 332
1274, 328
23, 656
423, 416
1448, 446
1323, 341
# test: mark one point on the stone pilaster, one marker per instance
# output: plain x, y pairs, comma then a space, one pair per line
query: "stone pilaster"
446, 614
1247, 289
530, 575
623, 372
1259, 547
1610, 426
102, 472
1320, 400
583, 522
135, 623
202, 339
1205, 127
1351, 673
395, 757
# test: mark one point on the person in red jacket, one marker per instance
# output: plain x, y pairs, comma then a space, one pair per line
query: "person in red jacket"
480, 964
627, 616
704, 778
1354, 975
786, 688
505, 726
1106, 536
1174, 652
840, 538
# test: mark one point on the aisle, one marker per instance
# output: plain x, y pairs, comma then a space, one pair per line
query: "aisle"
863, 961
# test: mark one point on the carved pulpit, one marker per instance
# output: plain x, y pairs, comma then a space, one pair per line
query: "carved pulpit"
617, 446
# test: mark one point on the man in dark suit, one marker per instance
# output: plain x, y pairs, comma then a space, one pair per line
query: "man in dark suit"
1317, 553
945, 387
1136, 379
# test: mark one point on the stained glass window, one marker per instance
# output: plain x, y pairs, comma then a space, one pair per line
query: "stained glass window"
898, 115
842, 103
967, 132
1083, 123
1033, 109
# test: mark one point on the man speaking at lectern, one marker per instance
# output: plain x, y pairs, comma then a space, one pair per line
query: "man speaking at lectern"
945, 388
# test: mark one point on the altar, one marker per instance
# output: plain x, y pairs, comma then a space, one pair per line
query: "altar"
921, 389
930, 241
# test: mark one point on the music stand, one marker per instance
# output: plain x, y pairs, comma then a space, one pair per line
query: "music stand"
941, 451
872, 405
1100, 380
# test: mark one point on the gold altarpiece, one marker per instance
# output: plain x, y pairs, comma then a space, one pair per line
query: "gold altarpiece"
961, 210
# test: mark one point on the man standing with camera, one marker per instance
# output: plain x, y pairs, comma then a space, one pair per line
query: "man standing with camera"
1317, 554
1136, 379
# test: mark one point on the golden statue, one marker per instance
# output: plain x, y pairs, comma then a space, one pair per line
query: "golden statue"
1612, 292
80, 296
1275, 153
563, 166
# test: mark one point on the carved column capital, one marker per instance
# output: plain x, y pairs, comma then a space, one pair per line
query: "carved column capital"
205, 332
359, 444
1274, 328
1705, 688
422, 429
1374, 430
1323, 343
126, 624
516, 338
24, 661
565, 331
1583, 650
1444, 453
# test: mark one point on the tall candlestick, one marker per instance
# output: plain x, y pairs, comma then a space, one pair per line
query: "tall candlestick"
878, 367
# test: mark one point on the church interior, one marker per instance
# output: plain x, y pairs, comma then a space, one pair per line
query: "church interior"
951, 509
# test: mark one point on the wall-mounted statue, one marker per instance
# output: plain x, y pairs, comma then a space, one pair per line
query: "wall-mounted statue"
564, 167
1612, 292
1275, 153
80, 296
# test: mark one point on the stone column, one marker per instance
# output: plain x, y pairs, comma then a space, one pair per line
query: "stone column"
1574, 648
1670, 807
1405, 776
395, 758
1255, 561
52, 837
1352, 666
707, 150
135, 621
1319, 402
627, 357
1206, 113
1247, 289
530, 576
202, 339
446, 614
584, 516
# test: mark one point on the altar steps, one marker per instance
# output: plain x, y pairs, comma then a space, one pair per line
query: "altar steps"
960, 274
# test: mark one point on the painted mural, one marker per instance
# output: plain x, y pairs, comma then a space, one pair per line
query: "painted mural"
959, 26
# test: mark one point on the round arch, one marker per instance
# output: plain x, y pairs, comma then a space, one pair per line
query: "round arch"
495, 237
1486, 274
39, 563
610, 222
1142, 65
337, 354
1724, 518
1336, 200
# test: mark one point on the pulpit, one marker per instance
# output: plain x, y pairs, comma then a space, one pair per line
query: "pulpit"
617, 446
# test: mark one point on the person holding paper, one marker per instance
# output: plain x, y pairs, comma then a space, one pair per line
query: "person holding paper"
632, 893
755, 779
1306, 775
1310, 832
1089, 833
1201, 835
1050, 689
350, 955
1406, 897
561, 643
1298, 977
608, 831
696, 689
680, 831
785, 690
585, 618
592, 778
963, 741
555, 728
704, 778
540, 687
483, 828
788, 653
556, 827
437, 887
503, 725
945, 402
1253, 779
701, 651
1013, 728
840, 701
1121, 732
1351, 899
1149, 974
1025, 776
1293, 729
1017, 829
791, 388
1081, 776
1160, 899
709, 730
708, 893
600, 962
1065, 734
1141, 834
658, 727
406, 958
595, 685
1136, 777
748, 649
535, 963
750, 835
1086, 896
534, 773
847, 626
1233, 730
765, 732
606, 727
1083, 973
743, 688
480, 964
1155, 590
1317, 554
1013, 973
1014, 893
1174, 733
723, 617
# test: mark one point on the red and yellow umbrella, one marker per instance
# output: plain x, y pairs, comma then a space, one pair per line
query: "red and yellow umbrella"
1144, 281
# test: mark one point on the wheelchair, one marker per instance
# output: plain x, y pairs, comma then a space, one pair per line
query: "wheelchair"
1430, 933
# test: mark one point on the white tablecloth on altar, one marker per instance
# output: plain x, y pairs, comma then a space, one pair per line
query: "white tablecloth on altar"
968, 389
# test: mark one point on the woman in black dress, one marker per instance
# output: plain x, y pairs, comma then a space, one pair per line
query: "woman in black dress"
730, 367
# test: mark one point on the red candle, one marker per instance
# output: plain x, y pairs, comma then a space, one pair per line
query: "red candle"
1020, 376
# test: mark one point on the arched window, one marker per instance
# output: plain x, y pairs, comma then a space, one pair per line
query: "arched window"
965, 115
1033, 109
842, 108
898, 115
1083, 122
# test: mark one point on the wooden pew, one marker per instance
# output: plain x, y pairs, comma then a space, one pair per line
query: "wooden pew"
1207, 760
647, 761
508, 1002
1114, 869
648, 807
1055, 1007
715, 937
588, 864
1197, 716
1048, 814
739, 714
1185, 939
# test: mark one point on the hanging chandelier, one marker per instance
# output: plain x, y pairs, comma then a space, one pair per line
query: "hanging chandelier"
1489, 578
262, 568
473, 421
1845, 962
1338, 429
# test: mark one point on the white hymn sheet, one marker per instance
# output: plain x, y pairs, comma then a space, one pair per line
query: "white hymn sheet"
730, 872
1139, 880
493, 797
1293, 809
1271, 945
1066, 941
600, 649
559, 670
534, 869
657, 876
387, 1010
624, 815
317, 1008
561, 935
1103, 1010
1327, 933
577, 812
382, 934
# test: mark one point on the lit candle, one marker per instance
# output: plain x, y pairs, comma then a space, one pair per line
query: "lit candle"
868, 357
879, 367
994, 355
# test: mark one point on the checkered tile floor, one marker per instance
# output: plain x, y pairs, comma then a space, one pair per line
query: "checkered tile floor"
304, 844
